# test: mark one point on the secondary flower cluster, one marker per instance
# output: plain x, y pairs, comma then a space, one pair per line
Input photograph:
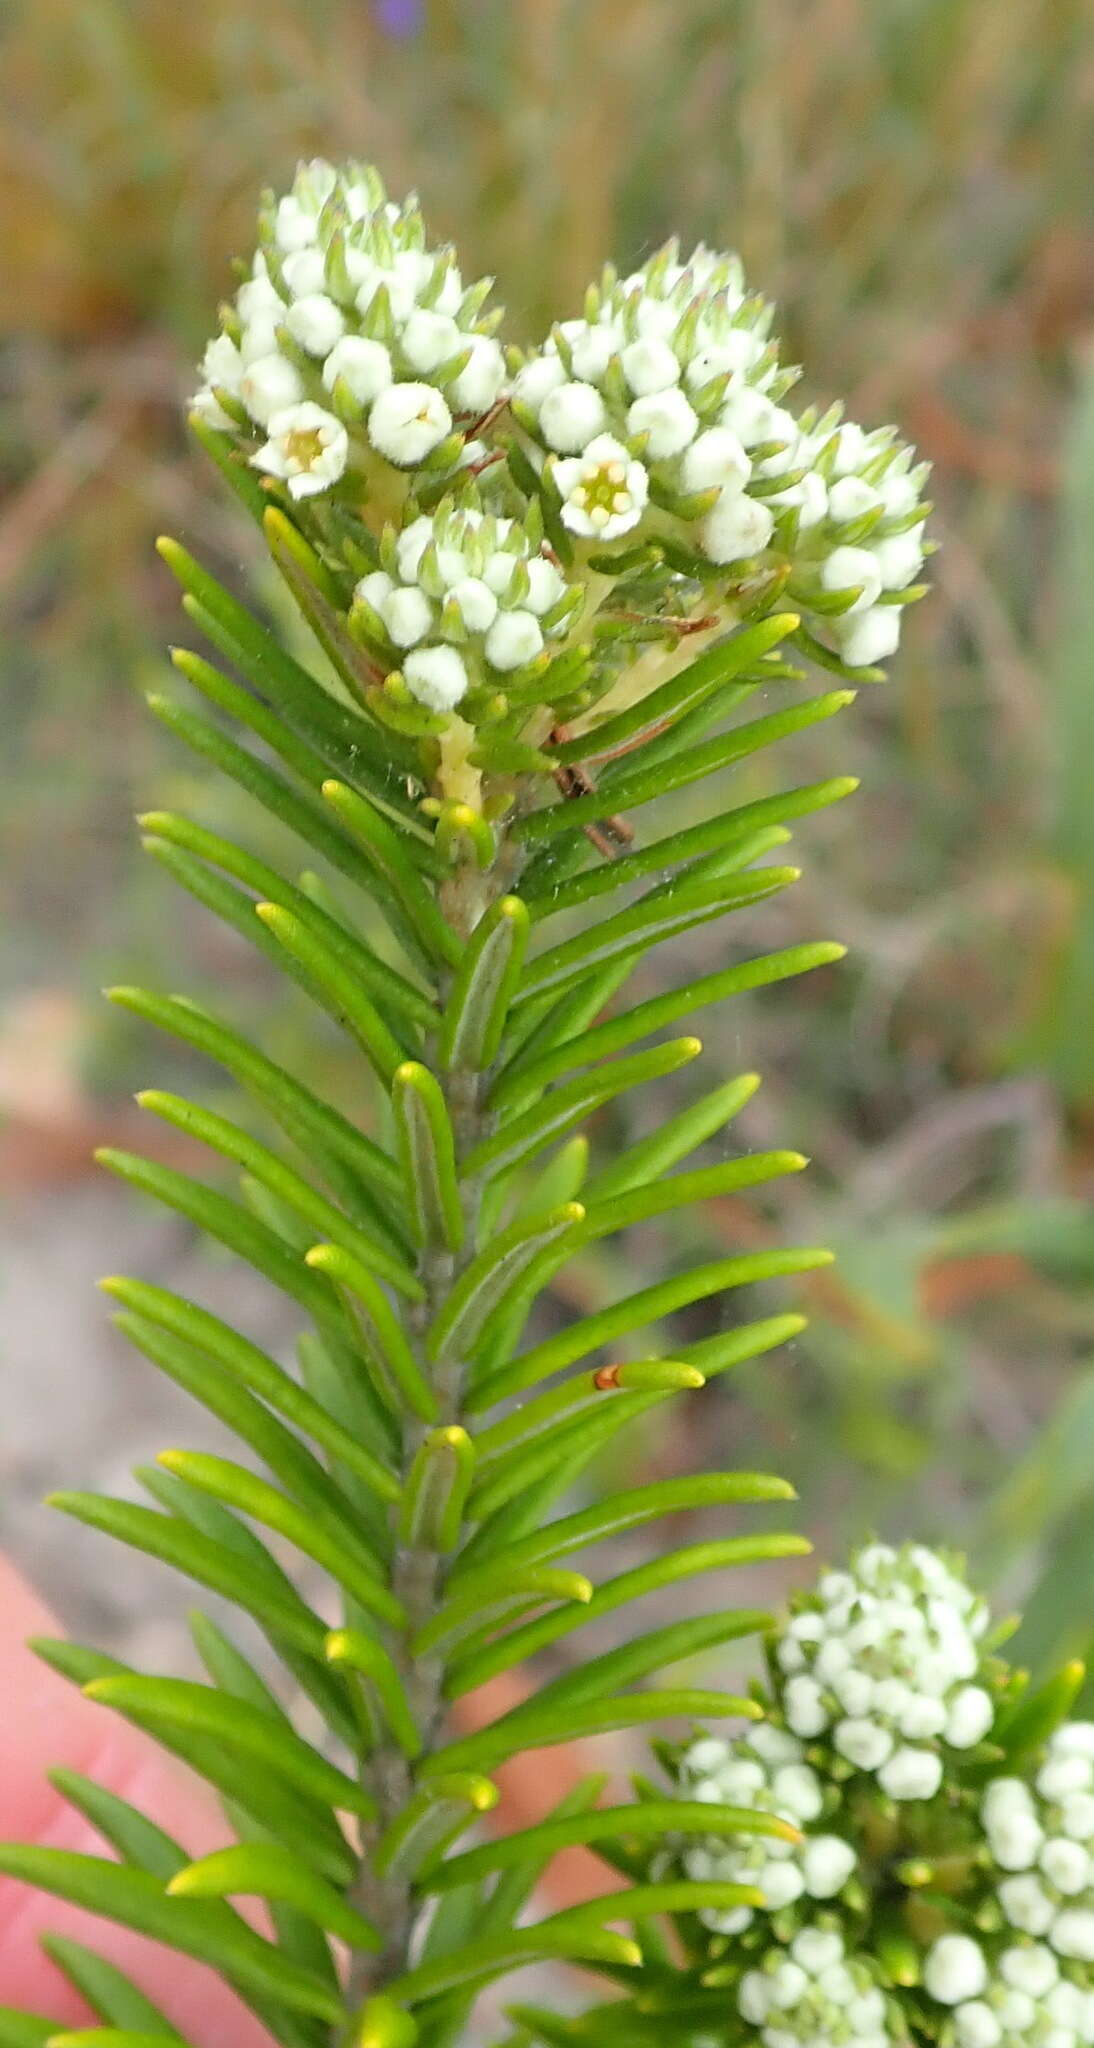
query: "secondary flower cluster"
463, 597
947, 1902
881, 1658
662, 409
349, 338
1042, 1837
765, 1769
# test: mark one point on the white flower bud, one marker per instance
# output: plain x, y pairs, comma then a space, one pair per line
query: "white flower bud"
375, 589
955, 1969
1026, 1904
411, 546
911, 1774
667, 420
1075, 1738
294, 225
259, 299
482, 377
1032, 1970
315, 322
222, 364
436, 676
571, 417
808, 497
207, 407
754, 1997
545, 585
738, 526
260, 337
796, 1790
592, 346
804, 1704
781, 1883
715, 458
429, 339
975, 2026
871, 637
307, 447
850, 498
304, 273
537, 379
1077, 1816
827, 1862
751, 416
478, 607
851, 568
863, 1743
898, 493
707, 1755
407, 422
514, 639
899, 557
1073, 1934
854, 1691
408, 616
1061, 1775
971, 1715
650, 365
363, 365
738, 350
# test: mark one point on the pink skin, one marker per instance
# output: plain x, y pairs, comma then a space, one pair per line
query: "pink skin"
45, 1721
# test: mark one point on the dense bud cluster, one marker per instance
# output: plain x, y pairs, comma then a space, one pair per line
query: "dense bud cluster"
1041, 1838
952, 1814
462, 597
815, 1995
663, 408
765, 1769
882, 1661
349, 338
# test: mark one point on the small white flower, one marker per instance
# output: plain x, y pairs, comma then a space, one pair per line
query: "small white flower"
666, 419
571, 417
1026, 1904
752, 416
817, 1950
1073, 1933
1075, 1738
269, 386
480, 381
1067, 1865
738, 526
955, 1969
436, 676
363, 365
408, 616
207, 407
1032, 1970
871, 637
315, 322
899, 557
975, 2026
260, 336
258, 299
1063, 1774
796, 1790
650, 365
429, 339
407, 422
827, 1863
478, 607
514, 639
808, 498
716, 458
604, 492
911, 1774
780, 1883
307, 447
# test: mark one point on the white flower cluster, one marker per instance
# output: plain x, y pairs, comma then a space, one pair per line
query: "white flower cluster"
1022, 2000
764, 1769
883, 1660
462, 596
349, 334
814, 1995
1043, 1839
669, 392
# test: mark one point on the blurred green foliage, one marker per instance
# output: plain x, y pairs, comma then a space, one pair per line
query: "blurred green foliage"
910, 179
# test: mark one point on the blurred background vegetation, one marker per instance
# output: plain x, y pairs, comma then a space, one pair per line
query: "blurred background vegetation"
910, 179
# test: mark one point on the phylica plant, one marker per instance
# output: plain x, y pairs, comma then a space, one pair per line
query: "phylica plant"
538, 594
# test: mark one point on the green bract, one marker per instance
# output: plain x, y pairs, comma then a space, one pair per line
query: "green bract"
529, 618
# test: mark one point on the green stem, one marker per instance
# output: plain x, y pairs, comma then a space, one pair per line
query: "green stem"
418, 1572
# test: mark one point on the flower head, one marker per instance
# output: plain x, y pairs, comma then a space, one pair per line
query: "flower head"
346, 307
816, 1994
764, 1770
1041, 1838
884, 1660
